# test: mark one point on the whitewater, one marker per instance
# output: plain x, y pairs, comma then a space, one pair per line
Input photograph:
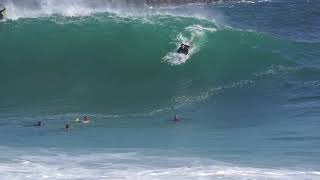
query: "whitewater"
247, 94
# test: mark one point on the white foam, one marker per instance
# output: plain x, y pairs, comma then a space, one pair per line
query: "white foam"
54, 164
181, 101
275, 70
47, 8
254, 1
72, 8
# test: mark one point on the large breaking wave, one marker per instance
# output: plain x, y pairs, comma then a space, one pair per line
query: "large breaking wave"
93, 55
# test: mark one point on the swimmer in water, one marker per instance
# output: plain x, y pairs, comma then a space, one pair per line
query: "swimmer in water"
67, 127
85, 120
39, 124
176, 118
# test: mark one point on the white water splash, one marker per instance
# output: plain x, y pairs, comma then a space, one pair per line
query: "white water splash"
194, 36
129, 164
17, 9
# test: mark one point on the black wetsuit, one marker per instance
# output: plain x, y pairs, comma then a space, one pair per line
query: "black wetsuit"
186, 51
183, 50
2, 13
180, 50
39, 124
67, 127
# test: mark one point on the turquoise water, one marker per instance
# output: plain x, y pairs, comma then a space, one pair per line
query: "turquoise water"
247, 94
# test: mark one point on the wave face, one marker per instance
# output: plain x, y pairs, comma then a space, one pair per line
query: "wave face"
106, 61
97, 55
247, 94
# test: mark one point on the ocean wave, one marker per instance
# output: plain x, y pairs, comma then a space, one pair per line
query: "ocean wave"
83, 62
130, 164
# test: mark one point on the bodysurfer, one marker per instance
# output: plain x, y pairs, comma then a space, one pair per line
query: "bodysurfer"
184, 49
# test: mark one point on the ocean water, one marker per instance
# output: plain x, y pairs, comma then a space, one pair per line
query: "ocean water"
248, 94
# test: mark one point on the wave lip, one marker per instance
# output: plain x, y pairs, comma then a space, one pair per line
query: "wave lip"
40, 8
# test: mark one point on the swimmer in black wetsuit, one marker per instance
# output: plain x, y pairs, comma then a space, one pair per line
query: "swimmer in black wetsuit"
39, 124
183, 49
176, 118
67, 127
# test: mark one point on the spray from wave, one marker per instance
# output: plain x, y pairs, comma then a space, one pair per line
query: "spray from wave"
42, 8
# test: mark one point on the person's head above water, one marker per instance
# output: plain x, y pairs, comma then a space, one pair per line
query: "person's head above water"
39, 124
67, 126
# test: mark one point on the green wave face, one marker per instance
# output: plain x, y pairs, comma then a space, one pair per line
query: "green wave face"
106, 62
